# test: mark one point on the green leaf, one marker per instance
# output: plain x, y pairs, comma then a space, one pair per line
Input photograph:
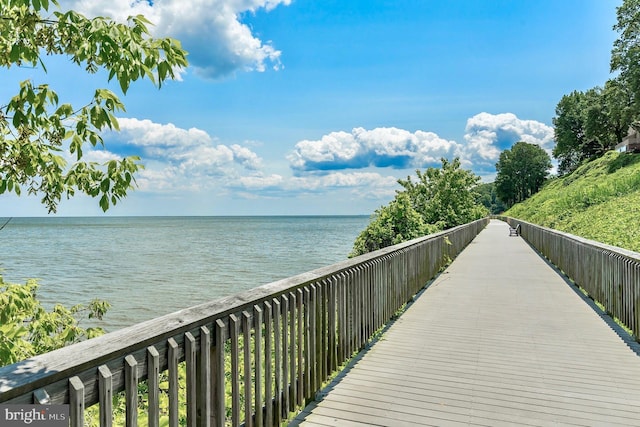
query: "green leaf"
105, 185
104, 203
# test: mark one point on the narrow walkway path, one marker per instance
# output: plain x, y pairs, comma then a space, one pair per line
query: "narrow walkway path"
499, 339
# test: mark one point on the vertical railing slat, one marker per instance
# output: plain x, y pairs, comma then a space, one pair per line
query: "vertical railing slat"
76, 402
248, 398
105, 392
285, 357
234, 330
342, 320
218, 375
204, 378
259, 402
332, 311
192, 379
268, 371
313, 361
293, 344
131, 390
153, 378
277, 344
172, 361
318, 337
307, 343
300, 347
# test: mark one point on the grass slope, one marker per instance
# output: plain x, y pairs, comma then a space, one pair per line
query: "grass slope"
599, 201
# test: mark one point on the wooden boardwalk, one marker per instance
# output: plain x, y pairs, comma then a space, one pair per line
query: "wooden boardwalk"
500, 338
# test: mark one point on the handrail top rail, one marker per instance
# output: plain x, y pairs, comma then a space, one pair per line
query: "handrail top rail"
616, 249
81, 356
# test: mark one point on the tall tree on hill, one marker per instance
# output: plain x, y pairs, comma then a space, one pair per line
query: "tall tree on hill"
588, 124
625, 55
521, 172
38, 132
569, 132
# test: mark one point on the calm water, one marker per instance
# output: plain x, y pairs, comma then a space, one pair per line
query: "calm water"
149, 266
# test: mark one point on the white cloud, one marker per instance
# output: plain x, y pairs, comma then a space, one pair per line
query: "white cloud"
260, 182
97, 156
380, 147
487, 135
219, 43
360, 184
181, 159
191, 160
246, 157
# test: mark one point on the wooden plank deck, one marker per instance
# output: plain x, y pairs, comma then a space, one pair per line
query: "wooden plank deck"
500, 338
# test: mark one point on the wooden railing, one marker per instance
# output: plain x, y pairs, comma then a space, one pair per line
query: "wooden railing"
251, 358
610, 275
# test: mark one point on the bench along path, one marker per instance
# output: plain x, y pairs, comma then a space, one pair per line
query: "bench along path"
500, 338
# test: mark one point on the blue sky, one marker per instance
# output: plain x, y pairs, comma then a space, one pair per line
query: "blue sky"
318, 107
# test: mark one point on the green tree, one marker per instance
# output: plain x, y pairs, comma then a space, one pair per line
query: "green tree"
625, 55
391, 224
588, 124
36, 128
569, 132
488, 198
27, 329
619, 102
445, 196
440, 198
521, 172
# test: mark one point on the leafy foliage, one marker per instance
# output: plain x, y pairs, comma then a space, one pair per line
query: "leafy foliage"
391, 224
27, 329
600, 201
440, 198
445, 196
521, 171
588, 124
625, 55
488, 197
37, 130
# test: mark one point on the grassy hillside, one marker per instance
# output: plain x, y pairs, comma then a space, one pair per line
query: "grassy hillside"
599, 201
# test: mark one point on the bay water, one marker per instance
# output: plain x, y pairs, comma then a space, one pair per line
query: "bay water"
150, 266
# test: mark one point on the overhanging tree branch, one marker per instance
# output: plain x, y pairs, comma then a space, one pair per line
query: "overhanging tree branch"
35, 129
